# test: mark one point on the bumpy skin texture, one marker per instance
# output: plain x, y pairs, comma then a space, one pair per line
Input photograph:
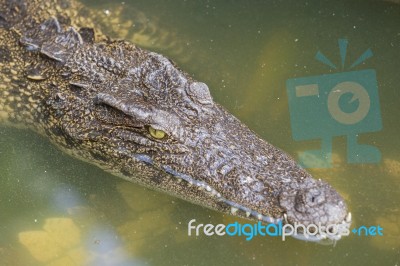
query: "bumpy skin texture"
97, 98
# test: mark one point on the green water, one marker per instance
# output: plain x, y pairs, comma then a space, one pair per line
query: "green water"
55, 210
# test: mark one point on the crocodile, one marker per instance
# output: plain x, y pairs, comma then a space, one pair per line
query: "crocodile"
137, 115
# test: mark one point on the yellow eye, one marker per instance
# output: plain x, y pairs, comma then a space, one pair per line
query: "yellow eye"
156, 133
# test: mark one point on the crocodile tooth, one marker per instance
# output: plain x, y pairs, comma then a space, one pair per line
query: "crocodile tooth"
79, 84
234, 210
179, 180
208, 188
37, 77
285, 217
348, 217
259, 217
247, 214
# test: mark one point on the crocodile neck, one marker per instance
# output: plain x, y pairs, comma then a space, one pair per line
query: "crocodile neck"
29, 79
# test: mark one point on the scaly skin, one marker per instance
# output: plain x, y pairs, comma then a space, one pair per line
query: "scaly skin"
98, 99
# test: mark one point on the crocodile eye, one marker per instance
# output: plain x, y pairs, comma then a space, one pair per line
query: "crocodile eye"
156, 133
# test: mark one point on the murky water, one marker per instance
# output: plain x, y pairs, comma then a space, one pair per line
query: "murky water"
55, 210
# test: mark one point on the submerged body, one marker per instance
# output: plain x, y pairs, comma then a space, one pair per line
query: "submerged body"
135, 114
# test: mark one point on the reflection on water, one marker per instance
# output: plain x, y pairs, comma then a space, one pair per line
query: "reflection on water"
56, 210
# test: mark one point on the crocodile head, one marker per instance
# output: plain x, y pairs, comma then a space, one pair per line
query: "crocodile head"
137, 115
